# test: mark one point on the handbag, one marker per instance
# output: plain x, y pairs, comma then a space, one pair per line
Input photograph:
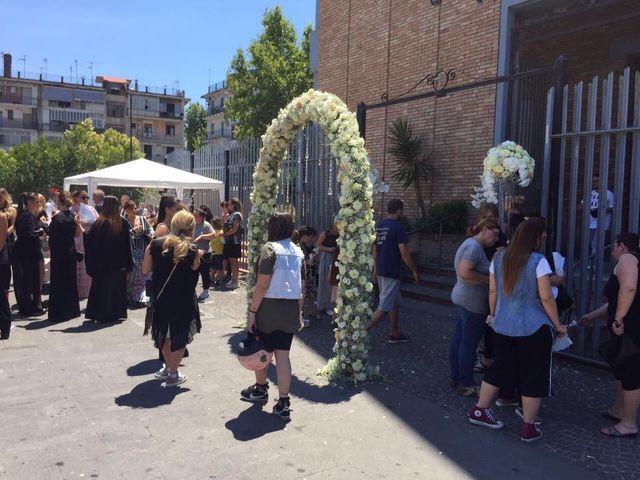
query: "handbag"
151, 309
563, 299
618, 350
206, 258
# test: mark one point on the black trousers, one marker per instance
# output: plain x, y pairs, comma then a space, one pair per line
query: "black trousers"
205, 273
5, 309
28, 288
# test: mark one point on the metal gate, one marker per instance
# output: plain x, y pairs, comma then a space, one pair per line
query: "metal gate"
308, 187
604, 140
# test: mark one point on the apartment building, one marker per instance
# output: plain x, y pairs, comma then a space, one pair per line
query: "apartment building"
18, 109
219, 131
157, 121
33, 107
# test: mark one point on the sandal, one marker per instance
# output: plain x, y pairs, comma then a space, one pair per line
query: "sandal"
612, 431
607, 414
468, 391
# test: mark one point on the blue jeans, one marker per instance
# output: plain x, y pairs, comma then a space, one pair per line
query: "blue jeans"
462, 350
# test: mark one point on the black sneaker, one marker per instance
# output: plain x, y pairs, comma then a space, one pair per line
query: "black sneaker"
255, 393
399, 338
283, 409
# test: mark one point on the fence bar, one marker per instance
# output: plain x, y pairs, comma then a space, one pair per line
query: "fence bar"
603, 203
585, 250
546, 165
561, 171
634, 189
573, 196
621, 148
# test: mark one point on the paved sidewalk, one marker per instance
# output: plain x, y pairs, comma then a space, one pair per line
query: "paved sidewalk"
78, 400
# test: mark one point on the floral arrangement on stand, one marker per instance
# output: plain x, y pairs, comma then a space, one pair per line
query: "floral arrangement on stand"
505, 163
354, 220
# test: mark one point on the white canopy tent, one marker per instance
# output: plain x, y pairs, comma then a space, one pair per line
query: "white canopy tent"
147, 174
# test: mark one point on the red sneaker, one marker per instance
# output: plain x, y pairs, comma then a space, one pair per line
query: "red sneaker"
530, 433
484, 417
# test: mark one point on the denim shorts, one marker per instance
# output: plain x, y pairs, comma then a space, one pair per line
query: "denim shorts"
389, 293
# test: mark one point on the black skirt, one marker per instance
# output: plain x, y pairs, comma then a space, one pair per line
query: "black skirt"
108, 297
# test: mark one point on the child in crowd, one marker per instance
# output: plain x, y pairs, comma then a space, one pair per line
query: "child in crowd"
217, 247
307, 244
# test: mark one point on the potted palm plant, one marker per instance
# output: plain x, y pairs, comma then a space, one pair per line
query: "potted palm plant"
412, 167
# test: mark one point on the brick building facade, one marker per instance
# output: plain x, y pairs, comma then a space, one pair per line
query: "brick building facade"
368, 48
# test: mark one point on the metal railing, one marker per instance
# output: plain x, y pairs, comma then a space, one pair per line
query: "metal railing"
440, 222
214, 87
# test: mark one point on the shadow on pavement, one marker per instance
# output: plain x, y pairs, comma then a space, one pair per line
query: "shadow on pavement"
146, 367
150, 394
253, 423
302, 388
36, 325
86, 326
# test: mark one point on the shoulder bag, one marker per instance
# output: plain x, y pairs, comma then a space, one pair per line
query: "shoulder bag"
151, 309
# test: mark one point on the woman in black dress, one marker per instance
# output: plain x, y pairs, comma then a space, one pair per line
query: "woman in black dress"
175, 263
622, 313
28, 252
64, 227
5, 266
108, 259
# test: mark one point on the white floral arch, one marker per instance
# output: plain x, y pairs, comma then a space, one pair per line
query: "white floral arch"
355, 218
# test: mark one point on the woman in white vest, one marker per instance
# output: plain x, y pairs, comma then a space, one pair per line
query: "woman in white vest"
275, 312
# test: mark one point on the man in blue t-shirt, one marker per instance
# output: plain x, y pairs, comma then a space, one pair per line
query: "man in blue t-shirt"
389, 251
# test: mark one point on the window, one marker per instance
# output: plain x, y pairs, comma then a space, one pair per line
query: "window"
146, 104
222, 103
148, 130
133, 126
9, 114
170, 150
170, 131
148, 151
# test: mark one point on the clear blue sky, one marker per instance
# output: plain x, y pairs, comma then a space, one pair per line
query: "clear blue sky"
156, 42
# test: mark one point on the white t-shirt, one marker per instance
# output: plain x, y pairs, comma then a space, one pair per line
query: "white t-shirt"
542, 269
595, 204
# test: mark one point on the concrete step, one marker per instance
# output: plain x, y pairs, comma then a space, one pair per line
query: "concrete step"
445, 283
426, 294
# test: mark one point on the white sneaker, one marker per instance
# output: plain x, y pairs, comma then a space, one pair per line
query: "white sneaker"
175, 379
203, 296
163, 373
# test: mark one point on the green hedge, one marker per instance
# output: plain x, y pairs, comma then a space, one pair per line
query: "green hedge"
456, 210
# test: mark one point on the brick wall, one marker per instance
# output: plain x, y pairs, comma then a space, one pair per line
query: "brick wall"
368, 47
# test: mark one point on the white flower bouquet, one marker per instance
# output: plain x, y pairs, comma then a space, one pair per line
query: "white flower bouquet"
505, 163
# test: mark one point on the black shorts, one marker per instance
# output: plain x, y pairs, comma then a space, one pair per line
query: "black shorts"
216, 262
523, 363
277, 340
629, 373
231, 250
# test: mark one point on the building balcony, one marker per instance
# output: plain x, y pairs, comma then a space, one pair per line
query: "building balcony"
214, 87
172, 115
18, 124
214, 110
163, 139
16, 100
226, 133
15, 136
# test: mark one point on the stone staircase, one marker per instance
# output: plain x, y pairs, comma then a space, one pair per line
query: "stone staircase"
434, 290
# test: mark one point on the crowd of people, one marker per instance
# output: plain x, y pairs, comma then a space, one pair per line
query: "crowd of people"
506, 291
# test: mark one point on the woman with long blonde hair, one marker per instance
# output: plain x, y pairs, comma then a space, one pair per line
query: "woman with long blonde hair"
108, 259
175, 262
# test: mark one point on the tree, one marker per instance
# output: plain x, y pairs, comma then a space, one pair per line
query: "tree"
273, 72
45, 163
116, 148
195, 126
413, 164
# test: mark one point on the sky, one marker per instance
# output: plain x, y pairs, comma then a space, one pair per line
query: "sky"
186, 44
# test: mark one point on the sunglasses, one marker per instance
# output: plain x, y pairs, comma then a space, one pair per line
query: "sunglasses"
84, 198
